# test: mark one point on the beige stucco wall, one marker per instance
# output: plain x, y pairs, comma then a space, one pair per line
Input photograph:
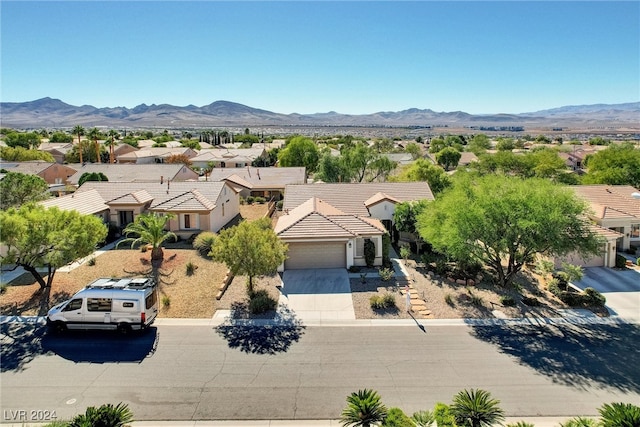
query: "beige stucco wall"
383, 210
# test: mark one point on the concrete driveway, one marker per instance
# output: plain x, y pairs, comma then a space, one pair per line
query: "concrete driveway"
620, 287
318, 294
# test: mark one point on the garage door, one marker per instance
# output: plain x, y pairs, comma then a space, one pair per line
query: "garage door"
316, 255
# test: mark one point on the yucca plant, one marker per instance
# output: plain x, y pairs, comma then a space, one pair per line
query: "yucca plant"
423, 418
363, 409
619, 415
476, 408
104, 416
520, 424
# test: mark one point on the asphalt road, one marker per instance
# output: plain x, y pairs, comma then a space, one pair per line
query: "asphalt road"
297, 372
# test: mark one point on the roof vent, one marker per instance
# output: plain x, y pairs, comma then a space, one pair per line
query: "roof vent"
635, 195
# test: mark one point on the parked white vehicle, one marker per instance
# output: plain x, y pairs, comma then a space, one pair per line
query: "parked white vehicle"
112, 304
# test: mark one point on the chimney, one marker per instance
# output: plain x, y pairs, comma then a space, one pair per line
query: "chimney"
249, 170
168, 184
258, 172
161, 179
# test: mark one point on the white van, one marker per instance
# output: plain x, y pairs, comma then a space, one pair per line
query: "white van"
112, 304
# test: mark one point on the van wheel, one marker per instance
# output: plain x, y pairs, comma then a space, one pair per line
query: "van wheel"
124, 328
58, 328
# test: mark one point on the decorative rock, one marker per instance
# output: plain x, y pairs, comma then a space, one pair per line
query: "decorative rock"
461, 282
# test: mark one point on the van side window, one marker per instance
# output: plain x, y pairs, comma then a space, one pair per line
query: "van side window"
150, 300
99, 304
75, 304
127, 304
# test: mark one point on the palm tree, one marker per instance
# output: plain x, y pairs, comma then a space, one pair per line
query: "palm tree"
363, 409
113, 142
79, 130
149, 229
619, 415
476, 408
94, 134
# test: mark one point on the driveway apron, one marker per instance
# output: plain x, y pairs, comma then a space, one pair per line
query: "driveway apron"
621, 288
318, 294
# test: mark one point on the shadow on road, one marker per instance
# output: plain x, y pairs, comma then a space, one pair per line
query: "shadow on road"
23, 342
262, 336
574, 355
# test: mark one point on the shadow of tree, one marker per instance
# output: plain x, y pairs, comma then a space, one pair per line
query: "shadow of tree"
261, 336
21, 343
570, 354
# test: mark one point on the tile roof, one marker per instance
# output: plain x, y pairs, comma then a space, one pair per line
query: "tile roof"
261, 178
318, 219
126, 172
87, 203
30, 168
174, 196
351, 198
611, 201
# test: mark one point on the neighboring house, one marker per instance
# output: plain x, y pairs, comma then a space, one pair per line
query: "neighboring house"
57, 149
117, 172
122, 149
614, 207
326, 225
268, 182
197, 206
154, 155
400, 158
227, 157
52, 173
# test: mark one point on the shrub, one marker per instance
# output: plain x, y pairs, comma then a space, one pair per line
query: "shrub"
423, 418
520, 424
553, 287
204, 241
468, 268
593, 298
369, 252
376, 302
397, 418
250, 200
104, 416
531, 301
619, 415
91, 261
580, 422
259, 200
448, 298
279, 204
443, 416
166, 301
638, 261
621, 261
544, 267
386, 274
476, 299
386, 247
507, 301
441, 267
261, 302
405, 252
191, 268
389, 300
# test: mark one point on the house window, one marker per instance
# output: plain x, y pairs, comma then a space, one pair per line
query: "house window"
126, 217
359, 247
187, 221
635, 231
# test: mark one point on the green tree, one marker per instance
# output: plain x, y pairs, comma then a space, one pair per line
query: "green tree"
364, 409
149, 229
505, 144
94, 135
39, 237
424, 170
21, 154
332, 169
413, 149
249, 248
476, 408
618, 164
363, 163
503, 222
61, 137
405, 215
79, 131
16, 189
619, 415
26, 140
300, 152
448, 158
479, 144
92, 176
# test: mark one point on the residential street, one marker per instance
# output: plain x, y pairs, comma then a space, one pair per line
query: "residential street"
291, 371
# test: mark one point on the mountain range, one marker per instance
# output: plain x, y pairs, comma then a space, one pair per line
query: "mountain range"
54, 113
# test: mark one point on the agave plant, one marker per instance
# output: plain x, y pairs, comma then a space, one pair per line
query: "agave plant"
423, 418
521, 424
619, 415
476, 408
363, 409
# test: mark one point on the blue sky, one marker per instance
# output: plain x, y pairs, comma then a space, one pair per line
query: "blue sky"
353, 57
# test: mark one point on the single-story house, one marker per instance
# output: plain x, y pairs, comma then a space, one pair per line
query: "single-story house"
52, 173
321, 236
87, 203
153, 155
267, 182
227, 157
197, 206
57, 149
616, 208
126, 172
326, 224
